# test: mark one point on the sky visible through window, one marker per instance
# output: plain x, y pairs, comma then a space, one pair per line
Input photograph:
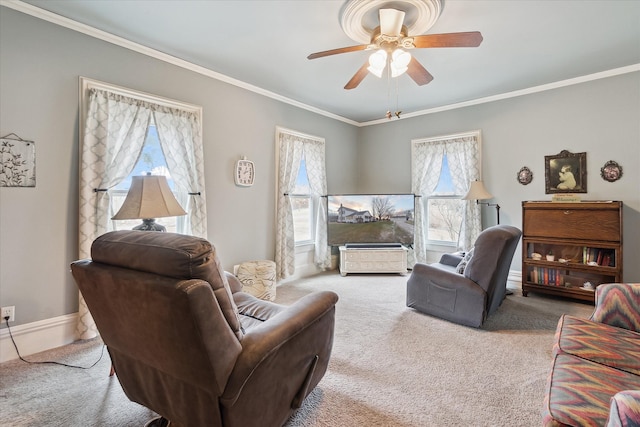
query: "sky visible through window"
151, 160
445, 184
302, 181
444, 187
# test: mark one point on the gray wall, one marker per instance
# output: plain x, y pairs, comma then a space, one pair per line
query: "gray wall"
40, 64
601, 118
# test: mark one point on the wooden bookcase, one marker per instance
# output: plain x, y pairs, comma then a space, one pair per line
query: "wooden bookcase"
585, 239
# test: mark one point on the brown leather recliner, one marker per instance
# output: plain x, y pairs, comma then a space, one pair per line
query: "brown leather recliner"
467, 298
188, 344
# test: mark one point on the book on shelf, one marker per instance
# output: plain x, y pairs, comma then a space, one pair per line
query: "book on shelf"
598, 256
546, 276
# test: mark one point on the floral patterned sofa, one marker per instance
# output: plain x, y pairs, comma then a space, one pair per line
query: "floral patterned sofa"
595, 374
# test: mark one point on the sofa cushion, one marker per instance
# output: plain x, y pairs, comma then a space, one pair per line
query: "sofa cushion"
463, 263
625, 409
579, 391
617, 305
600, 343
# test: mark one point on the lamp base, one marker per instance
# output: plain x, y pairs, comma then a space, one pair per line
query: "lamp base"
149, 224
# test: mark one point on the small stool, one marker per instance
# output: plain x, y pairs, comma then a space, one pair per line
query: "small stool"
258, 278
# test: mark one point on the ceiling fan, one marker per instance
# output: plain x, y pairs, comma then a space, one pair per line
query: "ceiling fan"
391, 42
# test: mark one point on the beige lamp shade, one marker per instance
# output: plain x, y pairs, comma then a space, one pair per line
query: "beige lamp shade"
149, 197
477, 192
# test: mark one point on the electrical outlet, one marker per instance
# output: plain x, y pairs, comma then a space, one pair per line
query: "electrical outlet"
8, 311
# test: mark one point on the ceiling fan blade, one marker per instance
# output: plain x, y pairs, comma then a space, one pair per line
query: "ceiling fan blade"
468, 39
418, 73
358, 77
337, 51
391, 21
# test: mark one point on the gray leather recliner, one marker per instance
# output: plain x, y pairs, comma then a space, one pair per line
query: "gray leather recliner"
188, 344
468, 298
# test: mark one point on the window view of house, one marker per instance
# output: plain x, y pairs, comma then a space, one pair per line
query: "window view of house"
444, 209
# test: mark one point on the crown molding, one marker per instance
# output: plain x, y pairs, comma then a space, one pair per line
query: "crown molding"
144, 50
528, 91
122, 42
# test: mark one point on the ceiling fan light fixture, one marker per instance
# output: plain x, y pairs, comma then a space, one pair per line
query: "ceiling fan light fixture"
401, 58
400, 62
395, 72
377, 62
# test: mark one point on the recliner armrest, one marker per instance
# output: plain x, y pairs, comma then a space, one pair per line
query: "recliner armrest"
451, 259
277, 335
234, 284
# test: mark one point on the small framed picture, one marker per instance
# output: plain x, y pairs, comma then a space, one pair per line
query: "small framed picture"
565, 173
525, 176
611, 171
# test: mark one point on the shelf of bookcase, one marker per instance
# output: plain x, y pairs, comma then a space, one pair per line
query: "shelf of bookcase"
575, 292
573, 266
579, 234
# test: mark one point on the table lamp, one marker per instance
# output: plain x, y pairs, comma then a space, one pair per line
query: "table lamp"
148, 198
477, 192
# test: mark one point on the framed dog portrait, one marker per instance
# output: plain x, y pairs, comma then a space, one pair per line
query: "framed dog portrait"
565, 173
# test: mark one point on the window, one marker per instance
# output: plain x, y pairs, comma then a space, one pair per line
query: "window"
441, 169
151, 161
301, 183
302, 205
444, 210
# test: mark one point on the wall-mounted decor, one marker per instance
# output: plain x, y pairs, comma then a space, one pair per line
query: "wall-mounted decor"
565, 173
245, 172
611, 171
17, 162
525, 176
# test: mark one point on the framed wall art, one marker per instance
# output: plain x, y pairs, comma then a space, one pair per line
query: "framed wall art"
525, 176
17, 162
611, 171
565, 172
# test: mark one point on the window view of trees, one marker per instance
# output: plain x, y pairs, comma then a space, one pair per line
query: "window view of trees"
382, 208
444, 209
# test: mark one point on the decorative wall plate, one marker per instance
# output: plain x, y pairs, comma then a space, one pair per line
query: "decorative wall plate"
525, 176
611, 171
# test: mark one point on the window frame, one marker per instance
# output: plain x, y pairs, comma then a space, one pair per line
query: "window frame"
85, 84
478, 137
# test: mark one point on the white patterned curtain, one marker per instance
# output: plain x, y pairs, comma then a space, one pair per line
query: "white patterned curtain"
316, 173
291, 148
115, 130
113, 136
463, 155
464, 164
181, 142
426, 164
290, 154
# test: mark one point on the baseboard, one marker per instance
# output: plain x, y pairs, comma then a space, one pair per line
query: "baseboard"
515, 279
38, 336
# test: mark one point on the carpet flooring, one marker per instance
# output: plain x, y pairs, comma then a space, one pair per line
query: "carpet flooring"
391, 366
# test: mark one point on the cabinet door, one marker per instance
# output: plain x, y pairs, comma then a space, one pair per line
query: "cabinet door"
603, 225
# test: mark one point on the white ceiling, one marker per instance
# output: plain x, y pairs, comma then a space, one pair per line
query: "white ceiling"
265, 43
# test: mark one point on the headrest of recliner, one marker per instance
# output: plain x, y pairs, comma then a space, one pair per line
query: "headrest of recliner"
168, 254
